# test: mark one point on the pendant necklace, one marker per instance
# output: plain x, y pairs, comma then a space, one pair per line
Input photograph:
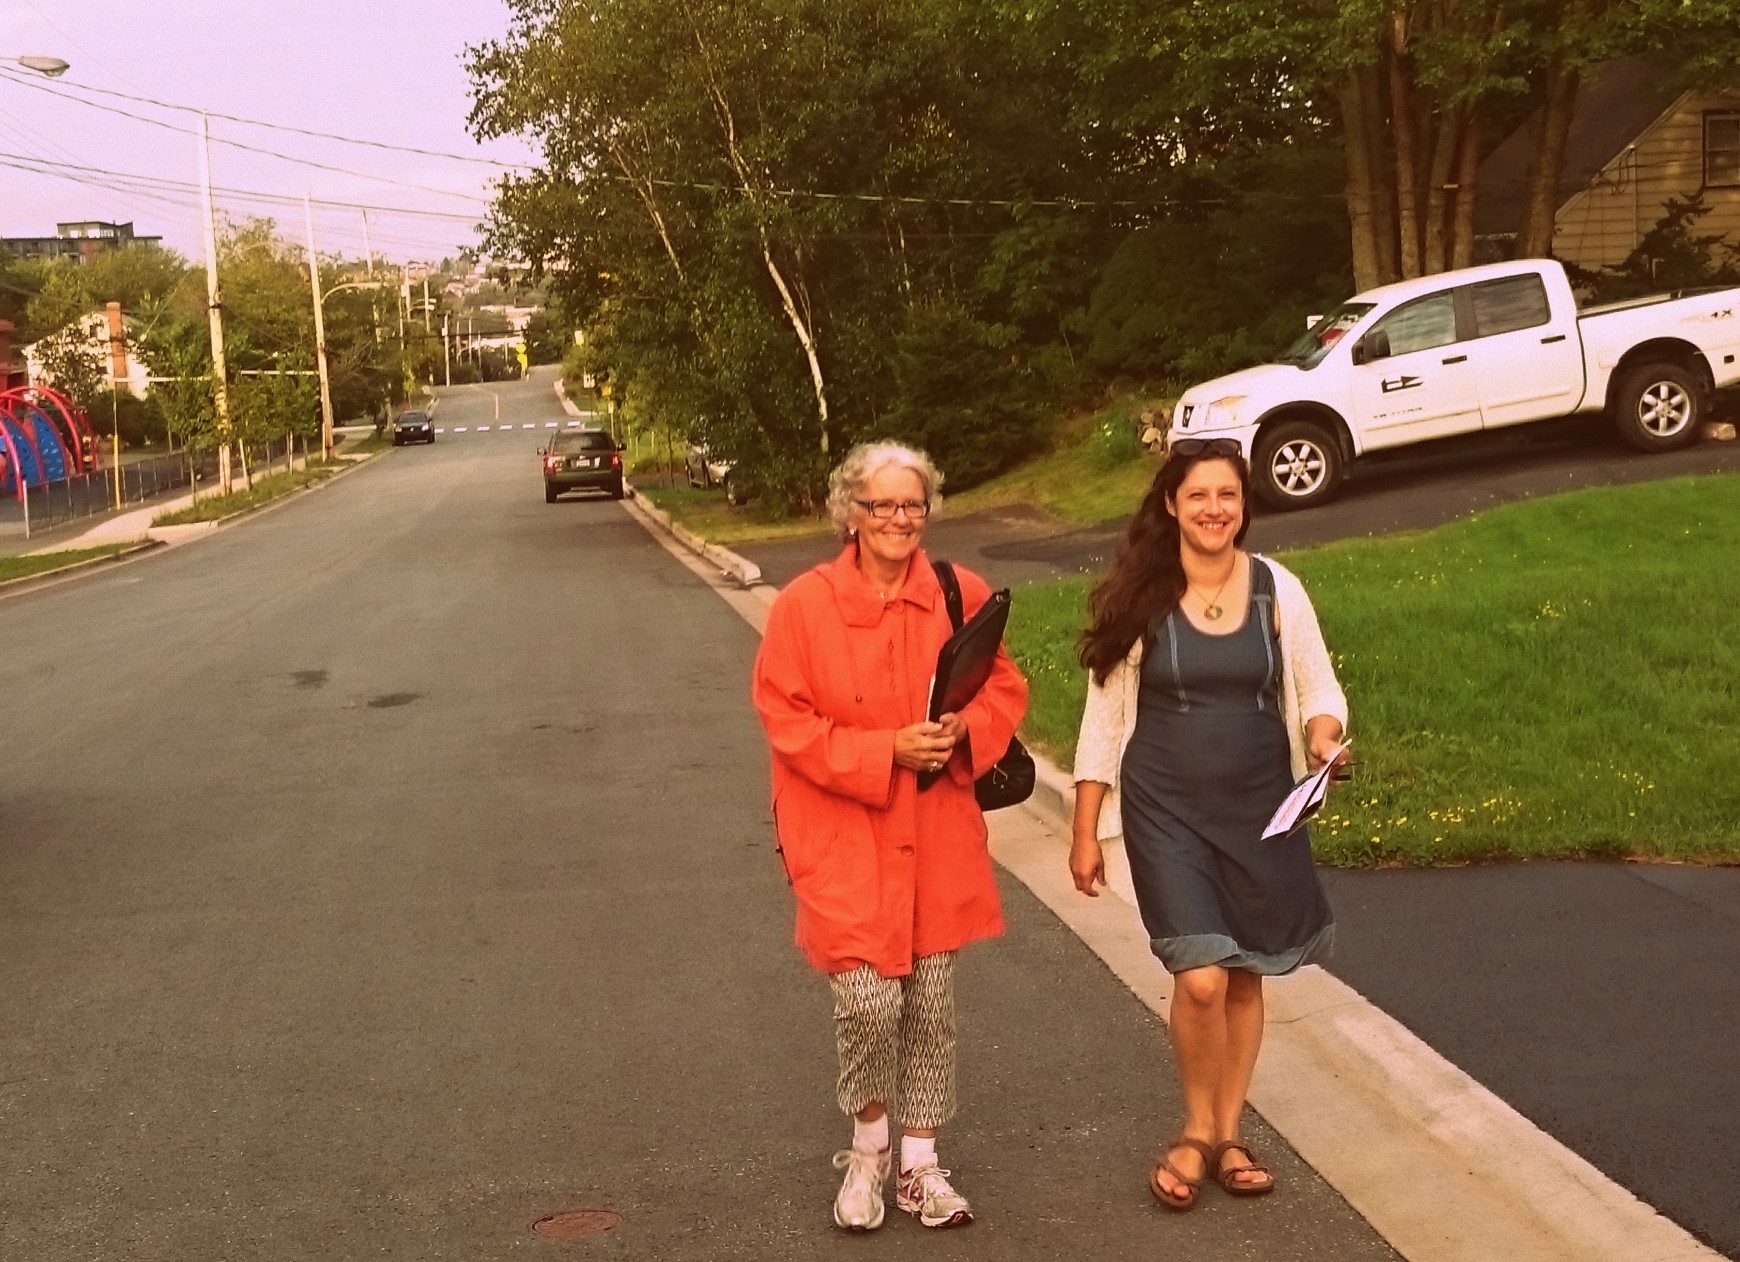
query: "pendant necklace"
1211, 608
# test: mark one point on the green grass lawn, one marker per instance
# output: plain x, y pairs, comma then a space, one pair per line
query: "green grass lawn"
708, 515
28, 566
216, 507
1552, 678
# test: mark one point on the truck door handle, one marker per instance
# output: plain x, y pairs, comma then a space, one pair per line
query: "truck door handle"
1548, 341
1457, 359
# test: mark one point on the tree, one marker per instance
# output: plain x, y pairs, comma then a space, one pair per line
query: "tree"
72, 364
746, 238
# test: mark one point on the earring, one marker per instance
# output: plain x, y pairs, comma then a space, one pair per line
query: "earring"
852, 533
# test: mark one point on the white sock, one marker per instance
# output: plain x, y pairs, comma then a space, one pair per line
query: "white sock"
915, 1152
870, 1136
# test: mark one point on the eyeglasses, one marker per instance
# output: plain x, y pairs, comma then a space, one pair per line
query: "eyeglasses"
884, 510
1188, 447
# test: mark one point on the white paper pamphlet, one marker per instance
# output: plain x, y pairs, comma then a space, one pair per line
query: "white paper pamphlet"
1302, 803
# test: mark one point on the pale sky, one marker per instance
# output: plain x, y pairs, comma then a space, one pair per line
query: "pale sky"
379, 70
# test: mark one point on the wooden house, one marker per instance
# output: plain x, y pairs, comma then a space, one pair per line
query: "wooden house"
1634, 143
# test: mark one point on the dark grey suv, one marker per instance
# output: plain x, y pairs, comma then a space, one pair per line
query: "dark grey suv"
582, 460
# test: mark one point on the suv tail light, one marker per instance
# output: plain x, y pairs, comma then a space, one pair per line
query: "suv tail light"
616, 460
552, 462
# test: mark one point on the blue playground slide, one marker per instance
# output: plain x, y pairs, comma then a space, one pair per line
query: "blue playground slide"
33, 435
48, 442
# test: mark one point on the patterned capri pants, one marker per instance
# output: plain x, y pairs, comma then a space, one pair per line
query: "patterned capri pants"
896, 1038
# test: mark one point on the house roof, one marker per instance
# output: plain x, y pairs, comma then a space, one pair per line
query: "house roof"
1616, 103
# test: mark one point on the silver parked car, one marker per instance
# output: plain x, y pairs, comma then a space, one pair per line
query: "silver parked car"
704, 473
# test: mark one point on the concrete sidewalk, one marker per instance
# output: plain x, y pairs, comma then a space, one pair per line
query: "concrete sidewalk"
1439, 1165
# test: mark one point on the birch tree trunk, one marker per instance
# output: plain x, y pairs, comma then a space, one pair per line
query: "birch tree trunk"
802, 326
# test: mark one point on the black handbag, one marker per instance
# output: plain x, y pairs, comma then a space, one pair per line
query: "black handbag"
1010, 782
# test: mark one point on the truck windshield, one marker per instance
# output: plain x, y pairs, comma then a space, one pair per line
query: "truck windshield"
1310, 349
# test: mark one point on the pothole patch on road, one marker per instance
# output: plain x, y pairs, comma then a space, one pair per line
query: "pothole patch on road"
390, 700
309, 678
577, 1224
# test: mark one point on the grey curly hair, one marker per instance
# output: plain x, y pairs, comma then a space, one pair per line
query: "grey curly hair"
849, 478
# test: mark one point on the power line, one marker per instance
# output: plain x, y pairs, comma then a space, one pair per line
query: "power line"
163, 182
302, 131
236, 144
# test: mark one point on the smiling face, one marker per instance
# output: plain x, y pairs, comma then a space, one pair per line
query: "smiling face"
894, 539
1210, 507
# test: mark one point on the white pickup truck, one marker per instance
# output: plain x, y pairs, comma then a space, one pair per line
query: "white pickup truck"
1462, 352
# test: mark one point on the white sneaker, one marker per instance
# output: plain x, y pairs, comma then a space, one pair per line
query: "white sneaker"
859, 1205
925, 1191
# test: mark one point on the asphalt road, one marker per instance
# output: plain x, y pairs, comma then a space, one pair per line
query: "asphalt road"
393, 869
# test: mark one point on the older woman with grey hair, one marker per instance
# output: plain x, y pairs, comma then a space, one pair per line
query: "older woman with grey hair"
890, 879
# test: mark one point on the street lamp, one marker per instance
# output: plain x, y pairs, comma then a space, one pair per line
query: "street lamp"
53, 67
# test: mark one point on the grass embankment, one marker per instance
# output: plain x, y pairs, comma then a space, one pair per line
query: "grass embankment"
1095, 471
30, 566
216, 507
708, 515
1550, 679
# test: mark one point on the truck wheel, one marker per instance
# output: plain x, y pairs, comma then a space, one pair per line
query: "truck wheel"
1298, 464
550, 493
1658, 406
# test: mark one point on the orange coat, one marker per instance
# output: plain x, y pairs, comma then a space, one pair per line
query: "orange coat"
883, 873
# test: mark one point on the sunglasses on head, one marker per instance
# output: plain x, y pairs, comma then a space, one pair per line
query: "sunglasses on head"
1188, 447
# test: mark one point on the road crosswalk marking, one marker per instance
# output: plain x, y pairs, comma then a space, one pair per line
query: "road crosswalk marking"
508, 428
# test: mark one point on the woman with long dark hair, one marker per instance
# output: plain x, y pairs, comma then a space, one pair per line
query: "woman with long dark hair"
1210, 692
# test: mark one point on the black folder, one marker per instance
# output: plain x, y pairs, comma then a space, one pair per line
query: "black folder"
965, 662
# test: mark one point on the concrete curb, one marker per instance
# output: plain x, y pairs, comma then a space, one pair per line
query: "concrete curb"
743, 572
564, 400
61, 573
1438, 1165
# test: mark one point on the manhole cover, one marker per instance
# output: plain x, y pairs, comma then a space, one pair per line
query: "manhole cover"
576, 1224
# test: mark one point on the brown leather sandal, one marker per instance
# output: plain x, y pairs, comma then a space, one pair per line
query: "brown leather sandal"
1229, 1179
1191, 1186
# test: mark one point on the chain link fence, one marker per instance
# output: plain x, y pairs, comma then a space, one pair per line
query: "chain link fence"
91, 495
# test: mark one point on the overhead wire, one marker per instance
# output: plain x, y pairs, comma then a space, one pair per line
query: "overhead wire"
248, 194
238, 144
65, 92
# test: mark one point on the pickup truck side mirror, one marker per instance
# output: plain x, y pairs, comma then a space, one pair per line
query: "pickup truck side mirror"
1374, 345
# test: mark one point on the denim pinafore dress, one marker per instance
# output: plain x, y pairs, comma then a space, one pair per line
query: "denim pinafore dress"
1203, 773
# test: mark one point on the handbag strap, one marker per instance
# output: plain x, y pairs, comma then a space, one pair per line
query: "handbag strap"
951, 590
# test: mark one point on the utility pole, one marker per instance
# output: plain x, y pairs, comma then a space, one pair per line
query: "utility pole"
319, 333
214, 304
446, 350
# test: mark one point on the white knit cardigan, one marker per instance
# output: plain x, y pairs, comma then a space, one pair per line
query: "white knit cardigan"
1308, 689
